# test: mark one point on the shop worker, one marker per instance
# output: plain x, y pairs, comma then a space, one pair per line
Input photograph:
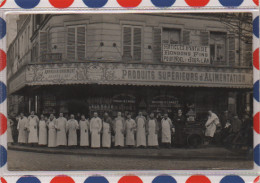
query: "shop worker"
130, 128
140, 130
179, 123
225, 119
84, 131
52, 131
236, 124
60, 126
72, 127
32, 127
166, 125
95, 130
211, 126
42, 131
10, 124
152, 131
22, 131
119, 130
106, 131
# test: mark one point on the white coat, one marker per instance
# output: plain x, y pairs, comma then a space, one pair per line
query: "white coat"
152, 132
84, 132
106, 135
52, 134
211, 125
72, 126
42, 133
60, 126
166, 130
119, 131
95, 130
32, 127
22, 131
130, 126
9, 131
140, 131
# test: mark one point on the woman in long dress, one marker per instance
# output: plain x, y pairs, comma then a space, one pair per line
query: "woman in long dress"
106, 133
32, 127
84, 131
42, 131
72, 127
130, 128
10, 124
119, 130
52, 131
22, 131
140, 130
95, 130
152, 130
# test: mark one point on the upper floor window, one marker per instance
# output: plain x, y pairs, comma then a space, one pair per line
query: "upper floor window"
132, 43
171, 36
218, 47
76, 42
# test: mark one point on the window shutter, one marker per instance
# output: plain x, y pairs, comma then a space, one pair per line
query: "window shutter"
186, 37
247, 55
204, 38
81, 43
71, 42
43, 45
137, 52
231, 49
127, 40
157, 44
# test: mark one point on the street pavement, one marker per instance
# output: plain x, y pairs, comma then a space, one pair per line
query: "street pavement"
46, 159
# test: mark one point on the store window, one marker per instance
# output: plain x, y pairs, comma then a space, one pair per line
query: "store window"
171, 36
218, 47
76, 42
132, 43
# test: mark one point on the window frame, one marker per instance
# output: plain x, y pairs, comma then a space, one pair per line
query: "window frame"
173, 28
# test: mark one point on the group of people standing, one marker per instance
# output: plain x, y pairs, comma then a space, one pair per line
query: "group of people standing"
96, 132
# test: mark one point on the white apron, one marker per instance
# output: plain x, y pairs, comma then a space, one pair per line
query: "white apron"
166, 131
106, 135
42, 133
211, 125
84, 135
130, 132
95, 129
33, 129
119, 128
61, 131
152, 136
9, 132
52, 135
72, 127
140, 133
23, 133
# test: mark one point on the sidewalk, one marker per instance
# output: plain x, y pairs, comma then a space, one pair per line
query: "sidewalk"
204, 153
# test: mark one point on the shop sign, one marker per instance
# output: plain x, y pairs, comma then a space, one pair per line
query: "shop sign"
175, 53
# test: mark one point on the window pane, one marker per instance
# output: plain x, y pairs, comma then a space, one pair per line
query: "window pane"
171, 36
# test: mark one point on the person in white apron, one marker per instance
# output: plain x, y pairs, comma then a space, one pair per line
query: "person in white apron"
60, 126
152, 130
84, 131
211, 126
32, 127
119, 130
140, 130
106, 132
72, 127
95, 130
10, 124
22, 131
130, 128
42, 131
166, 125
52, 136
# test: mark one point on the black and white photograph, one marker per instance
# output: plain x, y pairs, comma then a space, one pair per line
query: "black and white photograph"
139, 91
